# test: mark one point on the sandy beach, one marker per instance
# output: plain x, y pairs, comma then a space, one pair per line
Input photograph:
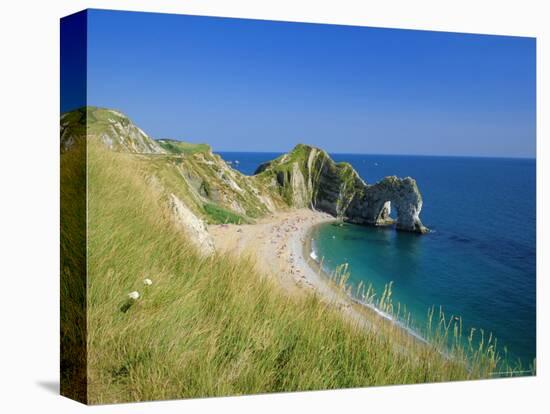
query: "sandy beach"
276, 242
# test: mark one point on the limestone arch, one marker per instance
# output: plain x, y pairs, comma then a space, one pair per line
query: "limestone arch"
399, 194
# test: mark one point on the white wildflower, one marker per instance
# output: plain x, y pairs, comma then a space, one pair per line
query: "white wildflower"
147, 282
133, 295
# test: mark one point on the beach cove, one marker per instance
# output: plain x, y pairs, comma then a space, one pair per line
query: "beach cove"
281, 247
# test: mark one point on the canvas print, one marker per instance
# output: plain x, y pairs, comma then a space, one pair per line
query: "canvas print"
257, 206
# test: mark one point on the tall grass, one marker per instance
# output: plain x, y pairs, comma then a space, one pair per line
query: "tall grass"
475, 349
73, 272
214, 326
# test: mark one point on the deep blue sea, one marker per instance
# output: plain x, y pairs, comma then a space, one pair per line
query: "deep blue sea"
479, 261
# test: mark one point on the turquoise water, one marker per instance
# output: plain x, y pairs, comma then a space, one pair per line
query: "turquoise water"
479, 261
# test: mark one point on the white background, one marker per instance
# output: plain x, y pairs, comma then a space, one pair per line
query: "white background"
29, 206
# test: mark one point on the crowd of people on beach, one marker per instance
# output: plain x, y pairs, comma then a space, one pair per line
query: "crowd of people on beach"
280, 236
278, 240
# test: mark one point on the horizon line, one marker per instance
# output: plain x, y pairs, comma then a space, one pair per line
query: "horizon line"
518, 157
386, 154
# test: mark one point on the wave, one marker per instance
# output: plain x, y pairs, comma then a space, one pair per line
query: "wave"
313, 255
390, 318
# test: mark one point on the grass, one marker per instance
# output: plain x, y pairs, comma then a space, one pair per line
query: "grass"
181, 147
475, 349
207, 186
214, 326
220, 215
73, 272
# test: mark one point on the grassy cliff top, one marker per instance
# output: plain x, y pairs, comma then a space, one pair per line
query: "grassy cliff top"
180, 147
119, 132
110, 126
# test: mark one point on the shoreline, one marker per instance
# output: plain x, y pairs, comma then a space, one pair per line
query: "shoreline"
365, 307
275, 242
281, 246
369, 315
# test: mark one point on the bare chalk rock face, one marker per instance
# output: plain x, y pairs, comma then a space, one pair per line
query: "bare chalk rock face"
375, 206
193, 226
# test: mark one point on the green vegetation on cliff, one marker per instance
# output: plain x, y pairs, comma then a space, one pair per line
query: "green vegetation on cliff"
308, 177
218, 215
181, 147
206, 184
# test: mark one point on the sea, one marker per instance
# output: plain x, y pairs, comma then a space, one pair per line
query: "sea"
479, 260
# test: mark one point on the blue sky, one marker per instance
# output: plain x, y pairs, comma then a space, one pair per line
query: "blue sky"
265, 86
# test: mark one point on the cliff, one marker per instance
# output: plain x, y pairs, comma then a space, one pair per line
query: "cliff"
308, 177
109, 126
200, 185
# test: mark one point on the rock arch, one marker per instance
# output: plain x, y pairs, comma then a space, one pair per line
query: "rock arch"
400, 194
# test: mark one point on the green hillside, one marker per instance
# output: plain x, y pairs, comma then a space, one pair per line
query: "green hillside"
181, 147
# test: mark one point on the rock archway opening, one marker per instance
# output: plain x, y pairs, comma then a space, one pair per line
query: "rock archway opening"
391, 201
386, 215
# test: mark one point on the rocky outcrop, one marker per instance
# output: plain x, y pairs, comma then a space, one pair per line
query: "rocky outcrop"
307, 176
111, 127
192, 226
199, 177
374, 207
